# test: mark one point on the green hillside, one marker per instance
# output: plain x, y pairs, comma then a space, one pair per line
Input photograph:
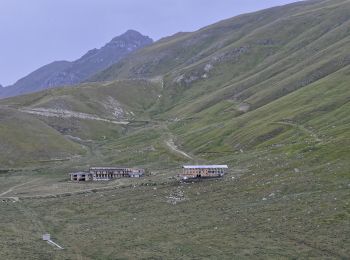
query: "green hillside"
266, 93
57, 123
26, 140
254, 58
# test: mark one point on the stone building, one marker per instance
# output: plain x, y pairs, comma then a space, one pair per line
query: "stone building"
203, 171
80, 176
107, 173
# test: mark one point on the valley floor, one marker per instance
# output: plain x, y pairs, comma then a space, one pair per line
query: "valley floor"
252, 213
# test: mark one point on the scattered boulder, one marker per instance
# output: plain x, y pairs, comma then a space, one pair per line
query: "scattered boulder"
176, 197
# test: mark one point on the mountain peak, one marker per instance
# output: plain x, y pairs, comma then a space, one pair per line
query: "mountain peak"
61, 73
132, 32
132, 36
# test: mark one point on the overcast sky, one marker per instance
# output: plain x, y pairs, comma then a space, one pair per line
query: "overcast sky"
36, 32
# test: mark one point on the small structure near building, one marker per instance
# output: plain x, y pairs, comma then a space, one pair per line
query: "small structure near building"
203, 171
46, 237
107, 173
80, 176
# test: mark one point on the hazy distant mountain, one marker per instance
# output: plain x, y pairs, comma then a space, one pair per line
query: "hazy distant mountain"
60, 73
1, 89
35, 81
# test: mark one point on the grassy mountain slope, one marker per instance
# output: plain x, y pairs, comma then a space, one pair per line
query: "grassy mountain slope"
100, 99
186, 49
26, 140
253, 59
53, 123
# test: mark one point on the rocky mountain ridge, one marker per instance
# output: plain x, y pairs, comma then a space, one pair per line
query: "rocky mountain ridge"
62, 73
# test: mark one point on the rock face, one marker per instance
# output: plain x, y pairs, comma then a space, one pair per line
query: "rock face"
61, 73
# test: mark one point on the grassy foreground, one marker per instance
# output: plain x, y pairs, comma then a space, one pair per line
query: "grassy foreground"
277, 202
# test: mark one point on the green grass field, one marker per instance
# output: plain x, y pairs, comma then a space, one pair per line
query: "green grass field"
263, 209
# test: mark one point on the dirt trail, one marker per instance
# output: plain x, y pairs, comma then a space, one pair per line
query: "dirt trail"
14, 187
71, 193
61, 113
170, 143
302, 128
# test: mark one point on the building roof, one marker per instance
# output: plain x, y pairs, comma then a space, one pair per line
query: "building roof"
72, 173
205, 166
114, 168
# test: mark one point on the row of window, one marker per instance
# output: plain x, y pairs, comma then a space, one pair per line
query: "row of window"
208, 171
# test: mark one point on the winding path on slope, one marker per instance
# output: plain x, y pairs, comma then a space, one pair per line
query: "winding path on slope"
61, 113
170, 143
300, 127
14, 187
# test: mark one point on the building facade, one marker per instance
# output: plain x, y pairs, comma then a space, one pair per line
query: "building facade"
203, 171
107, 174
80, 176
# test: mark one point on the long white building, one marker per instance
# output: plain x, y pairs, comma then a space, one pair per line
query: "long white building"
203, 171
107, 173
